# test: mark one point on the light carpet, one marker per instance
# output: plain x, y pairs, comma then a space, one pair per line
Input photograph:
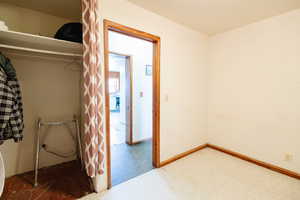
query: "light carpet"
206, 175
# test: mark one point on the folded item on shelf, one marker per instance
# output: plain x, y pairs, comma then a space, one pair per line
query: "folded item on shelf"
3, 27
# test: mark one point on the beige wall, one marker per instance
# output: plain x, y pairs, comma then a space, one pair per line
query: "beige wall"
254, 98
30, 21
183, 76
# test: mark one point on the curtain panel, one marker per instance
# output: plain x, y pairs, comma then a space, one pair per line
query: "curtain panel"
93, 93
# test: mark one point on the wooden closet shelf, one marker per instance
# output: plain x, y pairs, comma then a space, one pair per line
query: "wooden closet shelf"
39, 44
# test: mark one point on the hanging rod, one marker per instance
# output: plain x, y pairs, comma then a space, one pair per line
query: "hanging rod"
43, 56
39, 51
56, 123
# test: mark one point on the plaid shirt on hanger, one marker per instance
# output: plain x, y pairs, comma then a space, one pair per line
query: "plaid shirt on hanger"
11, 108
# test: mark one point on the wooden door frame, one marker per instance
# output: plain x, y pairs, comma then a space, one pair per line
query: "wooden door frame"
113, 26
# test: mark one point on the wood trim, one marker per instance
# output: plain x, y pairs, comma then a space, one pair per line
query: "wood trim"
140, 141
107, 107
156, 103
119, 54
114, 75
112, 26
181, 155
237, 155
116, 27
257, 162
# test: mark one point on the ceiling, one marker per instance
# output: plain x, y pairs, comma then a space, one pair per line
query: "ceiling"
70, 9
215, 16
207, 16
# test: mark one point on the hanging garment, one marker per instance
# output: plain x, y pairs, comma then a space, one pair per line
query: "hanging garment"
11, 108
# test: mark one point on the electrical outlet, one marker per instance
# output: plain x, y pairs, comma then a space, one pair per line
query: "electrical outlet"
288, 157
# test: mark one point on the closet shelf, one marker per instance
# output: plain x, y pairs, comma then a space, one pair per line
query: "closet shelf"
40, 51
39, 44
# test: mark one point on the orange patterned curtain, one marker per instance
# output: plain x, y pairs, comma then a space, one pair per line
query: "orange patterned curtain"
93, 90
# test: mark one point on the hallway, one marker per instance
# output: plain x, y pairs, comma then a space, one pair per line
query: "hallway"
127, 161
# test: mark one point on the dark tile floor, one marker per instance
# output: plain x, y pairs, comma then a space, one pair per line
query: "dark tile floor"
60, 182
129, 161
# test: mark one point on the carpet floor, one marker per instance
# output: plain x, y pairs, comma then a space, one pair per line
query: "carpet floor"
206, 175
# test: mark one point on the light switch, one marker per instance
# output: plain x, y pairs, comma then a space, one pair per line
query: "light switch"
166, 97
141, 94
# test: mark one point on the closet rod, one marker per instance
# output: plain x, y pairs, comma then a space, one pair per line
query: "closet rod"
56, 123
43, 56
40, 51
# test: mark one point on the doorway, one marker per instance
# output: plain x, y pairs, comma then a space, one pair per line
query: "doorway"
120, 97
128, 101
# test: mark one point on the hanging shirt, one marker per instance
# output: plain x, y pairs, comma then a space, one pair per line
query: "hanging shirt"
11, 107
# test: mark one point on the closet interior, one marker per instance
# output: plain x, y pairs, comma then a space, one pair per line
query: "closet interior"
49, 74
